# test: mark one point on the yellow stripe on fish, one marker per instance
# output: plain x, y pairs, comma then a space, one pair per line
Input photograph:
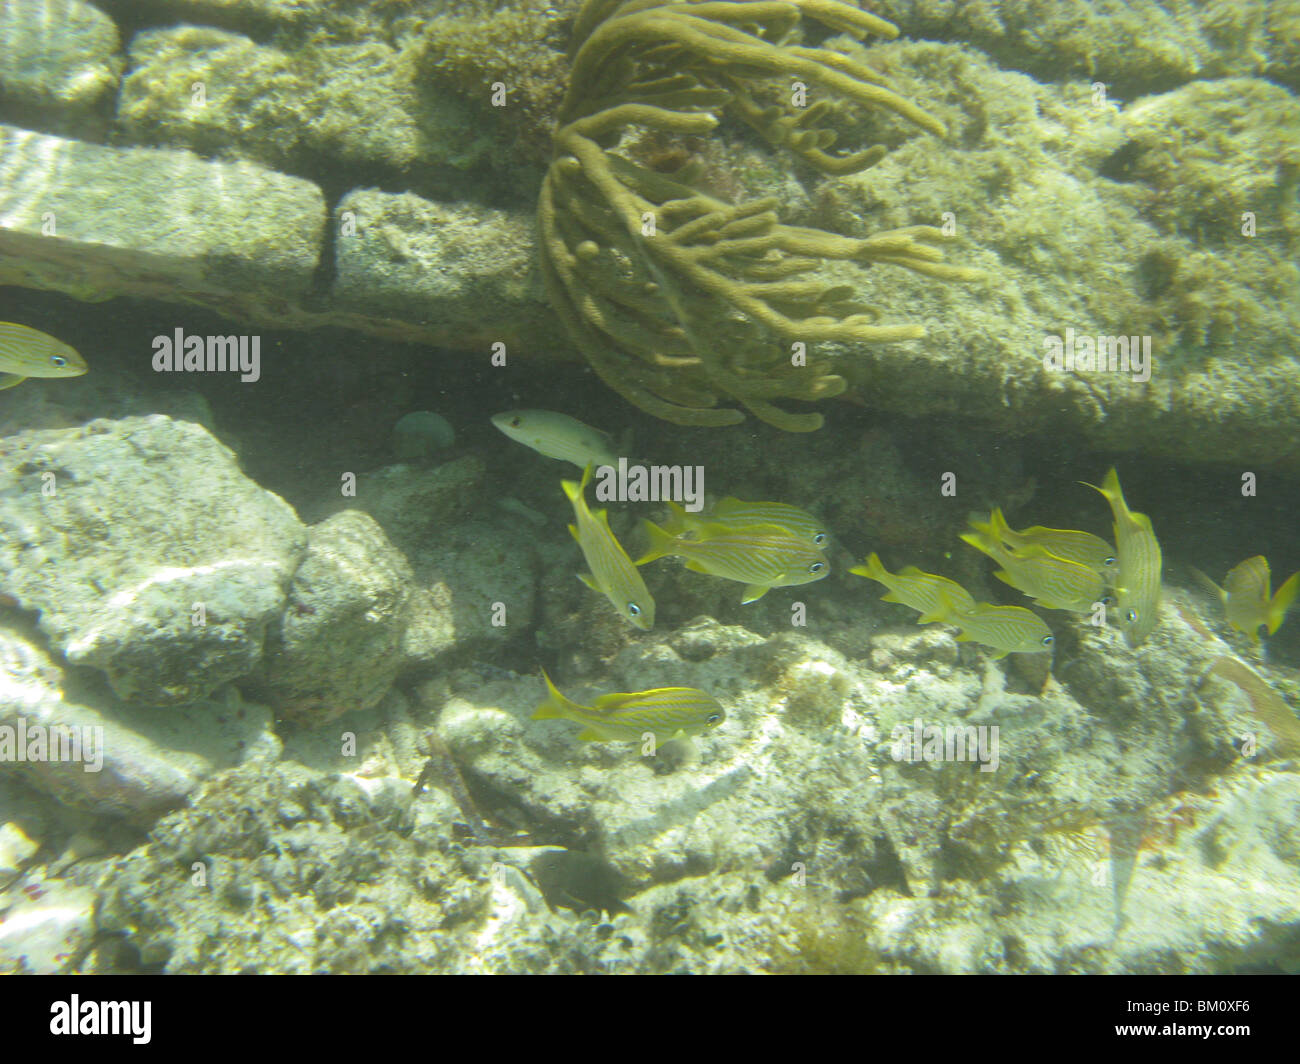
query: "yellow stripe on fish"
1138, 583
1070, 544
27, 353
666, 712
1054, 583
735, 513
759, 556
1004, 629
1246, 597
933, 595
612, 572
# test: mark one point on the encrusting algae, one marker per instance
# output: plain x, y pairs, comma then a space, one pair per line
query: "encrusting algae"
676, 298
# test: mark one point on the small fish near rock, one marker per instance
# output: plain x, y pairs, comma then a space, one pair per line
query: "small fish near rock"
25, 352
557, 436
666, 712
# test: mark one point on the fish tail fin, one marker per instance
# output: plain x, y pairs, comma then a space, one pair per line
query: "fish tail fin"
982, 542
979, 524
1109, 489
553, 708
679, 521
999, 526
873, 570
575, 491
661, 543
1282, 601
946, 612
1211, 588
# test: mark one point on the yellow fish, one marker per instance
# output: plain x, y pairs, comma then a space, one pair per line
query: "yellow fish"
1246, 599
612, 572
27, 353
1070, 544
934, 596
738, 514
1006, 629
759, 556
1054, 583
667, 712
1138, 582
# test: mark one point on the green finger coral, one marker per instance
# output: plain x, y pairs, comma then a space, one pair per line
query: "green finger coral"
679, 299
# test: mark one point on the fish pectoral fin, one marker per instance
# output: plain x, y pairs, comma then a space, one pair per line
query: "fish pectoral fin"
589, 580
10, 380
696, 567
754, 592
590, 735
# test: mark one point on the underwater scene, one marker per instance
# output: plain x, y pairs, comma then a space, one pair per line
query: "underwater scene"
636, 487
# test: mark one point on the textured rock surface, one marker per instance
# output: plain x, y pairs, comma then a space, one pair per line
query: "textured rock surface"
59, 61
141, 221
343, 636
794, 842
118, 532
353, 103
467, 273
119, 771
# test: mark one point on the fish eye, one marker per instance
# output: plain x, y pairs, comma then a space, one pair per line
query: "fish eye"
1048, 640
58, 360
1108, 600
713, 719
1109, 562
820, 538
1131, 616
515, 422
634, 609
816, 567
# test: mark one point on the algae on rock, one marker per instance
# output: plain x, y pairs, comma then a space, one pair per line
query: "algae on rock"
678, 298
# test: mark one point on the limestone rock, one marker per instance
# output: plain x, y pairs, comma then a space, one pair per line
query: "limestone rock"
147, 552
341, 641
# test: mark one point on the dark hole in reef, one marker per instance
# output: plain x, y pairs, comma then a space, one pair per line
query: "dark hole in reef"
1121, 164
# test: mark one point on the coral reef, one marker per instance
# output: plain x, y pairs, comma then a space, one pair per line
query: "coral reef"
678, 298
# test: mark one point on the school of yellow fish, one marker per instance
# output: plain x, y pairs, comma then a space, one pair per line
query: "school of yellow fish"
764, 545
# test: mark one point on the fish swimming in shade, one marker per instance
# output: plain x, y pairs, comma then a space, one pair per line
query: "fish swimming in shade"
667, 712
612, 572
1138, 581
27, 353
557, 436
736, 513
933, 595
1246, 598
1070, 544
1054, 583
759, 556
1005, 629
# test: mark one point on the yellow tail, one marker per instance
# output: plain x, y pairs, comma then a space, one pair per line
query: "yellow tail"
556, 705
873, 570
1282, 601
576, 491
662, 543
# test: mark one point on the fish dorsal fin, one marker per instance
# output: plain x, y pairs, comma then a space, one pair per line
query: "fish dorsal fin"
612, 702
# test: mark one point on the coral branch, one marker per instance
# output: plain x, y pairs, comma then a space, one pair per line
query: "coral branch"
678, 299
